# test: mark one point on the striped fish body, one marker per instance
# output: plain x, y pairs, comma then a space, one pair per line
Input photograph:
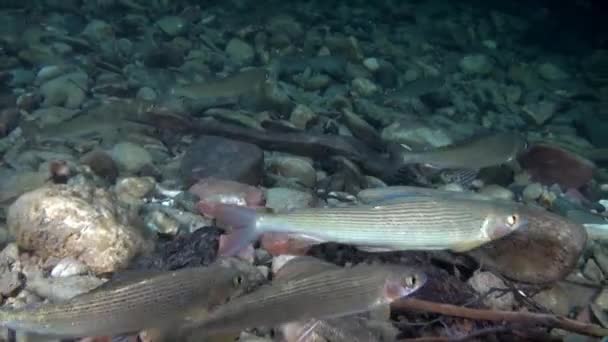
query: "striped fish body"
415, 223
326, 294
149, 302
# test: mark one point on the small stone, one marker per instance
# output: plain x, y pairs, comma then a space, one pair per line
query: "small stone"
532, 192
240, 52
160, 222
227, 192
497, 191
476, 64
301, 116
264, 270
298, 169
172, 25
453, 187
552, 72
132, 189
99, 31
147, 93
555, 299
592, 271
131, 157
371, 64
10, 282
69, 267
411, 75
483, 282
364, 87
490, 44
222, 158
68, 90
285, 199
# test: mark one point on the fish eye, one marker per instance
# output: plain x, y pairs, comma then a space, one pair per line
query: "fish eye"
512, 220
410, 281
238, 280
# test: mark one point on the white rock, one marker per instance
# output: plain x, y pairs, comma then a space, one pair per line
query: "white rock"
552, 72
69, 267
364, 87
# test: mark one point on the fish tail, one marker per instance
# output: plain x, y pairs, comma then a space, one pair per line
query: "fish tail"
241, 220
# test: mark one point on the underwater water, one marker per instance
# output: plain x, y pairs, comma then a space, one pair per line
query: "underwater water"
461, 147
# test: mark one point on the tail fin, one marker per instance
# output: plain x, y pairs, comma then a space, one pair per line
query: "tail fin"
241, 221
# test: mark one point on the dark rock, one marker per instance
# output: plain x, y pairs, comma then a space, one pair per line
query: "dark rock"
198, 248
212, 156
594, 129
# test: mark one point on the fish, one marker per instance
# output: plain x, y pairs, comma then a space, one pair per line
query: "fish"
473, 154
407, 223
328, 293
352, 328
137, 301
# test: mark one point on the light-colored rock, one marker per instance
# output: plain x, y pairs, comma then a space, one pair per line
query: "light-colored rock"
67, 90
10, 282
483, 282
476, 64
81, 222
295, 168
371, 64
497, 191
130, 157
540, 112
532, 192
172, 25
240, 52
285, 199
552, 72
61, 288
554, 299
301, 116
364, 87
69, 267
146, 93
132, 190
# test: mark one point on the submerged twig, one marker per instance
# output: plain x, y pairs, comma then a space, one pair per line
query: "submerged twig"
529, 318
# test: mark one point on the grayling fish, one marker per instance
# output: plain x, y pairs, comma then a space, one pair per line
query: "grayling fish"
473, 154
409, 223
354, 328
326, 294
163, 299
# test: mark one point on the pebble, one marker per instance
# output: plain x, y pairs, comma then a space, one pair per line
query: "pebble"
211, 156
10, 282
294, 168
552, 72
532, 192
483, 282
364, 87
476, 64
301, 116
592, 271
146, 93
285, 199
497, 191
172, 25
240, 52
69, 267
371, 64
227, 192
134, 189
131, 157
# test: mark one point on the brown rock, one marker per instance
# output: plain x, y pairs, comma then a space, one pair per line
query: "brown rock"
74, 221
545, 251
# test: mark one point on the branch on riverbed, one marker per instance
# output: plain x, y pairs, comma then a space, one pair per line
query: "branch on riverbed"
527, 318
